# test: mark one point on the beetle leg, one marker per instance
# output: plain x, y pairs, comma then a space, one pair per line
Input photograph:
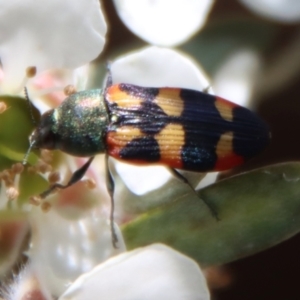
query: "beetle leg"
77, 175
110, 184
109, 81
184, 180
206, 90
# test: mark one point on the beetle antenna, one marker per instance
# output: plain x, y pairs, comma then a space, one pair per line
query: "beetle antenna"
24, 162
29, 106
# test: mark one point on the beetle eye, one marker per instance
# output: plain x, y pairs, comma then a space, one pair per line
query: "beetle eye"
43, 138
46, 138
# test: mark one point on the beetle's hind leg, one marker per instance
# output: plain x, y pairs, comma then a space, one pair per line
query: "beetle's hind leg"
179, 176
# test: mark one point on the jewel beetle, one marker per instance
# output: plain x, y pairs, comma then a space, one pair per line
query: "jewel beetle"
176, 127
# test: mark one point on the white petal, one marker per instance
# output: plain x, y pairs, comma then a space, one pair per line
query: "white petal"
142, 179
236, 77
153, 272
159, 67
164, 22
64, 249
280, 10
48, 34
156, 67
209, 179
46, 89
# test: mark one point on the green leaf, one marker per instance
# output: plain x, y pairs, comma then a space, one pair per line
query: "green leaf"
16, 126
257, 210
31, 184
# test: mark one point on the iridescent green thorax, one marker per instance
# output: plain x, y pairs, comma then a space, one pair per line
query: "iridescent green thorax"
76, 127
80, 123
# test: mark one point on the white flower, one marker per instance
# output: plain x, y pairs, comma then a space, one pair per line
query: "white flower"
48, 35
62, 249
55, 37
164, 22
237, 76
150, 273
287, 11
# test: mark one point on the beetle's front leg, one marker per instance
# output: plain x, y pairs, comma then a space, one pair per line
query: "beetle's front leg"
77, 175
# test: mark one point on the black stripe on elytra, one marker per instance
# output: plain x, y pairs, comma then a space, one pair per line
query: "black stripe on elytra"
148, 94
203, 127
144, 148
148, 117
251, 134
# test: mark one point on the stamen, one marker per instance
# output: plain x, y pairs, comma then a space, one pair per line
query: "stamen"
30, 72
90, 183
43, 167
7, 177
12, 193
69, 90
35, 200
54, 177
17, 168
46, 206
